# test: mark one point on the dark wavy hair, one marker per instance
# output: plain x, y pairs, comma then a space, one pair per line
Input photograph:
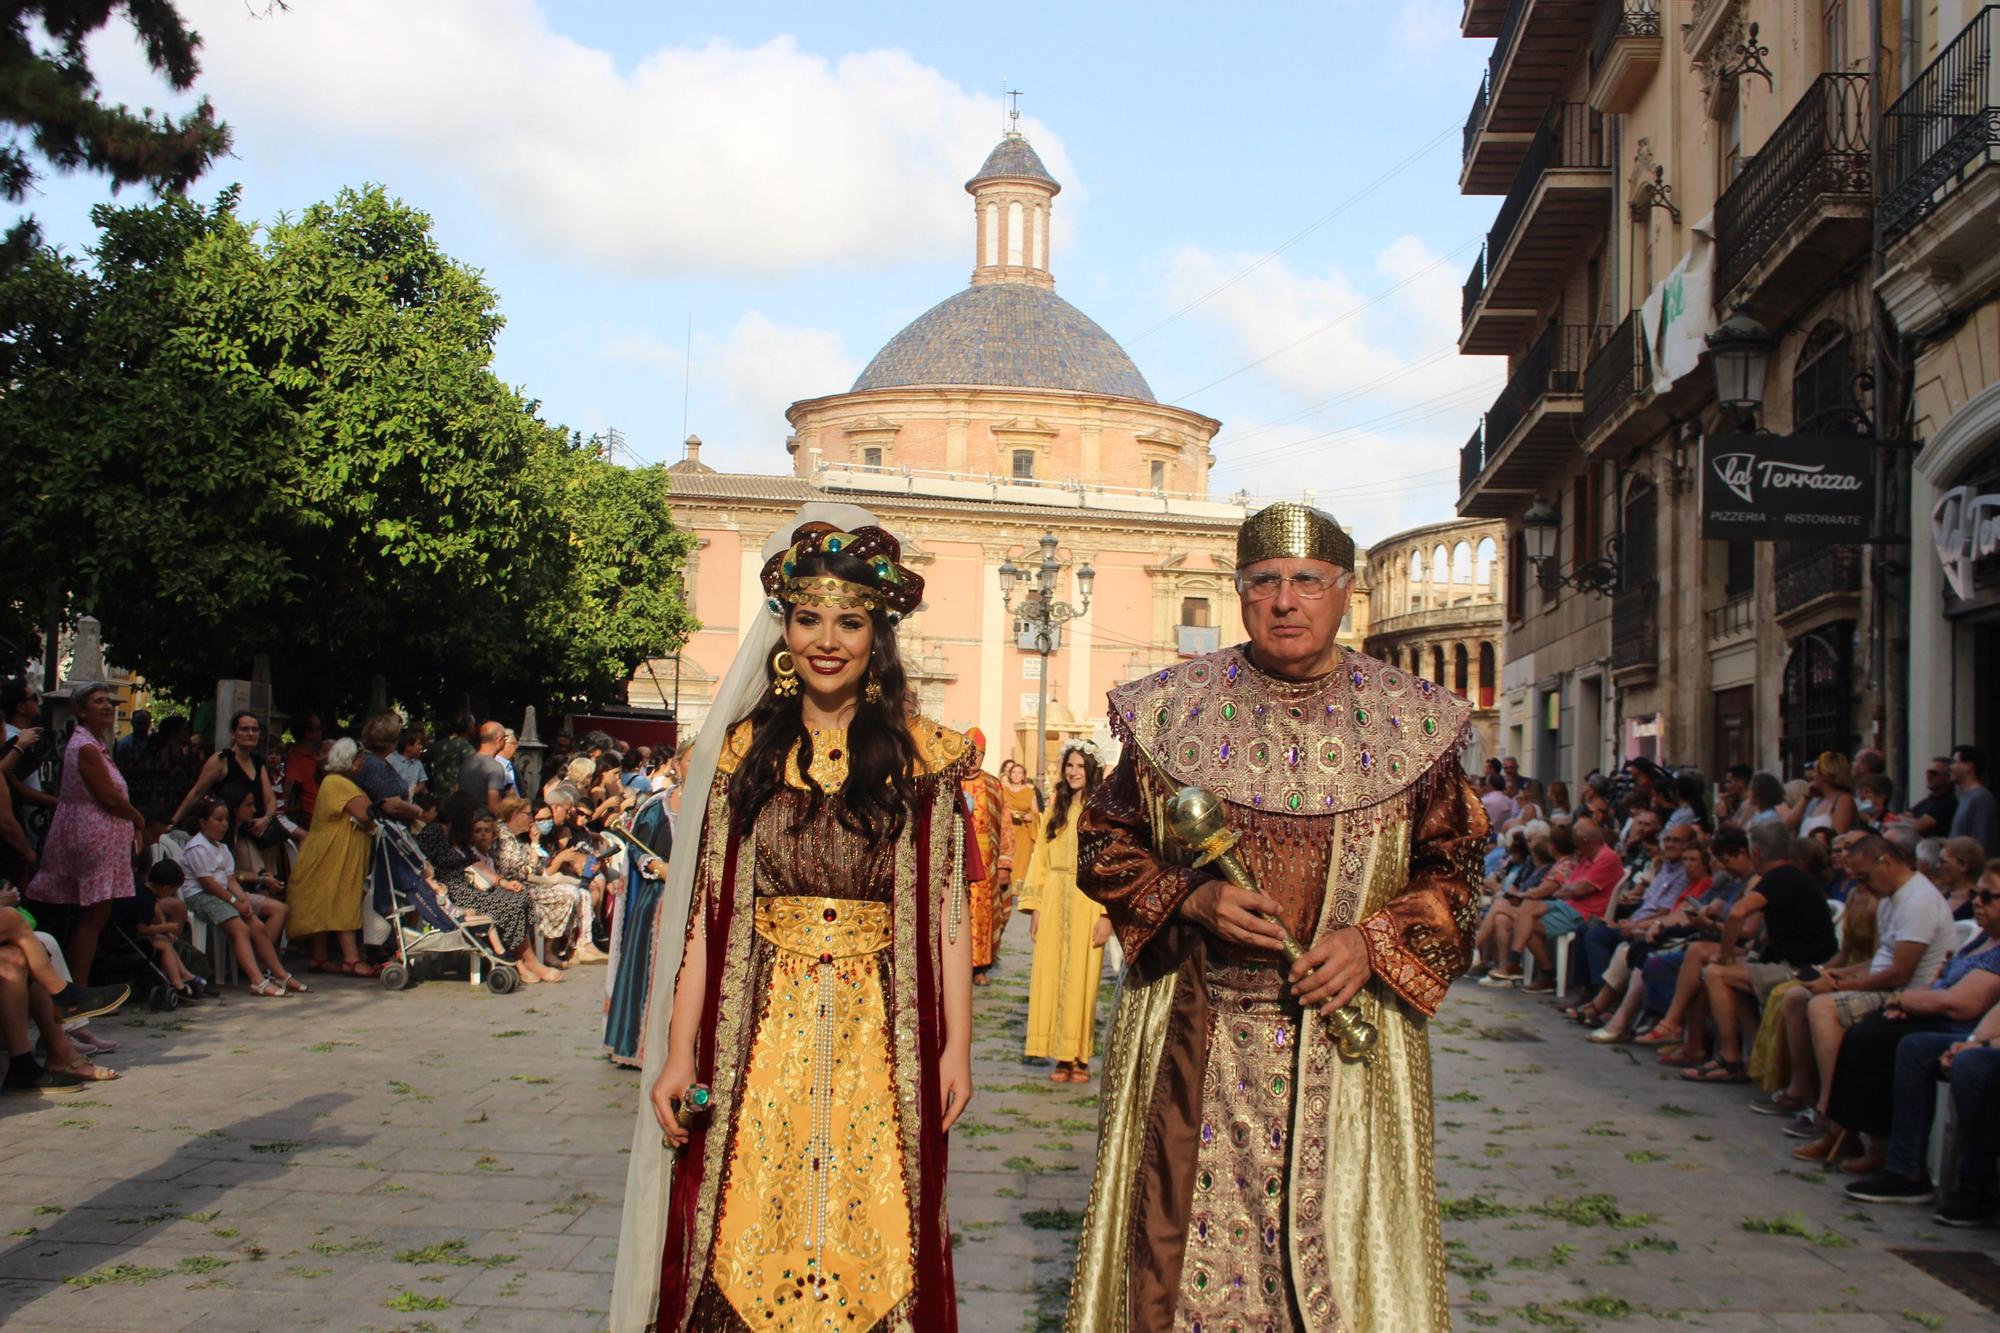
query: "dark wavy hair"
1093, 773
881, 756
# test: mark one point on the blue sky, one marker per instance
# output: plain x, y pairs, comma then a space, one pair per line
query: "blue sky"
789, 176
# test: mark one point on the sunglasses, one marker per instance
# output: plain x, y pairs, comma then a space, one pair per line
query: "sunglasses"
1987, 896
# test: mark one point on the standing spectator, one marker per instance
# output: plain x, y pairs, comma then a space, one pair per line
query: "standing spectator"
22, 704
383, 785
1766, 801
1977, 816
482, 776
451, 755
1932, 816
408, 761
1690, 801
509, 743
17, 851
87, 859
302, 756
136, 744
331, 875
231, 774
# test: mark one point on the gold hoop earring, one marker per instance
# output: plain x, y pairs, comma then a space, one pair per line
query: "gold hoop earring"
872, 692
787, 671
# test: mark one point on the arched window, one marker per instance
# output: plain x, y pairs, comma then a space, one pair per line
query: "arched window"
1035, 239
1437, 664
1823, 374
1461, 572
1416, 581
1014, 229
1461, 671
1485, 576
1488, 674
1441, 574
992, 234
1639, 564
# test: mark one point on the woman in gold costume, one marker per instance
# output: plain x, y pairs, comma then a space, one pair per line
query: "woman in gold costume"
824, 993
1024, 810
1069, 931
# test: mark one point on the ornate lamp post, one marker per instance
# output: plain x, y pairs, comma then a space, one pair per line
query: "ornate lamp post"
1043, 614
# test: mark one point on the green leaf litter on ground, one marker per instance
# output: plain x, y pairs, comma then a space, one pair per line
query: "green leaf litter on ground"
972, 1130
1644, 1157
45, 1209
452, 1252
532, 1078
136, 1274
299, 1270
201, 1263
1558, 1256
512, 1032
1794, 1224
1679, 1112
1622, 1253
1923, 1320
277, 1146
24, 1231
1052, 1219
1589, 1210
1477, 1205
410, 1301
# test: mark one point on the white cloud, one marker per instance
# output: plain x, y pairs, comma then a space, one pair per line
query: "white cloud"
742, 383
764, 159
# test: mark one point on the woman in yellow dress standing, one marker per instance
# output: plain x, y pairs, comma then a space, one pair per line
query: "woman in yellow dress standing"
1068, 929
330, 877
1022, 806
823, 993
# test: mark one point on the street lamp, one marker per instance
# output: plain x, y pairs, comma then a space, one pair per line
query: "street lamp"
1541, 526
1043, 614
1740, 352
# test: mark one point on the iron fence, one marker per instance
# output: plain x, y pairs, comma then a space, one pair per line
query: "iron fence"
1818, 153
1571, 135
1948, 119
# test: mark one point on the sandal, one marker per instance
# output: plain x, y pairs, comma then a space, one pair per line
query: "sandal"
360, 969
294, 985
268, 989
1060, 1074
90, 1073
1682, 1058
1662, 1035
1610, 1036
1080, 1074
321, 965
1718, 1070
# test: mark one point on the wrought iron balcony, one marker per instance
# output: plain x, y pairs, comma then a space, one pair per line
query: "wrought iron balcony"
1733, 620
1945, 128
1635, 627
1471, 459
1802, 208
1559, 203
1808, 571
1534, 49
1475, 119
1624, 53
1618, 376
1475, 285
1531, 426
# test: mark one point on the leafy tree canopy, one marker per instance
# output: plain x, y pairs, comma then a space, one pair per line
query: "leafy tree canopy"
290, 441
49, 97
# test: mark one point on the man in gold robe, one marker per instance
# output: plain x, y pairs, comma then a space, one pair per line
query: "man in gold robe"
1247, 1175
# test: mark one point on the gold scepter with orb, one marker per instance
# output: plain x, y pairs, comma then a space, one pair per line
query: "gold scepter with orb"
1196, 818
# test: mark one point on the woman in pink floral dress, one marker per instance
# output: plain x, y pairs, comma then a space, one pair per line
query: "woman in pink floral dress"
87, 857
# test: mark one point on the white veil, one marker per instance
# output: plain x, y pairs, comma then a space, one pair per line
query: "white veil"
635, 1291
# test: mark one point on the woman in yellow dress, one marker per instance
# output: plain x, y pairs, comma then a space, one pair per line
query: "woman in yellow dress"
824, 987
1069, 931
330, 876
1023, 806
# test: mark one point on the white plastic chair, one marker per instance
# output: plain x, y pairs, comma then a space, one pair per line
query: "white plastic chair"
1967, 932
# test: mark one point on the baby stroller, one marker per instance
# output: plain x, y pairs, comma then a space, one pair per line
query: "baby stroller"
426, 926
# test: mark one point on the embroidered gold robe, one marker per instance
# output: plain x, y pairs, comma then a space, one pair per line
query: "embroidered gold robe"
1244, 1172
987, 898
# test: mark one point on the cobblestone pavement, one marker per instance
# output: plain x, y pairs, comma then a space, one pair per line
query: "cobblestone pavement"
445, 1159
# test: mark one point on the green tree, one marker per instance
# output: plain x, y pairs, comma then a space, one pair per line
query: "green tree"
48, 92
292, 442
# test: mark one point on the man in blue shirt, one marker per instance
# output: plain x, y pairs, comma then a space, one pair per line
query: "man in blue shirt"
1602, 938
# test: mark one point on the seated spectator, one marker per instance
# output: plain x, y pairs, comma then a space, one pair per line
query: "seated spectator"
164, 928
1872, 796
1566, 898
561, 903
32, 988
1915, 934
1960, 863
459, 849
1972, 1066
1664, 891
1862, 1098
214, 896
1697, 915
1508, 892
1784, 1020
17, 851
1830, 800
1559, 801
253, 871
1732, 799
1514, 863
1690, 797
331, 876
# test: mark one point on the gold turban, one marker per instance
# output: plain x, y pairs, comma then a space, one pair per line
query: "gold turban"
1289, 531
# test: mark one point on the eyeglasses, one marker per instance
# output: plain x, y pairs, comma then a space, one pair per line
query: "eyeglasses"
1310, 587
1987, 896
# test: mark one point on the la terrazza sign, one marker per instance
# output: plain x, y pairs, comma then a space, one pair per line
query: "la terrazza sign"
1786, 488
1966, 527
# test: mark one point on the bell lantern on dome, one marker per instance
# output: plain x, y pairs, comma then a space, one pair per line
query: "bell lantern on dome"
1011, 198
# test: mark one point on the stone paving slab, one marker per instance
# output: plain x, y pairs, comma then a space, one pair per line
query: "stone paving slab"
448, 1159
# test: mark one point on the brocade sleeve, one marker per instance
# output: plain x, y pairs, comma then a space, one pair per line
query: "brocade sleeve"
1116, 865
1422, 939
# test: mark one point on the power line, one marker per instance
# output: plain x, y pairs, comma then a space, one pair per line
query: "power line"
1308, 230
1358, 391
1408, 415
1339, 319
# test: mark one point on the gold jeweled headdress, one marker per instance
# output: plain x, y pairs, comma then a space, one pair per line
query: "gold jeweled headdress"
892, 588
1291, 531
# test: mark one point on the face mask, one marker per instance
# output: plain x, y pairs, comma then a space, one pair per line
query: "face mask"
1866, 807
545, 826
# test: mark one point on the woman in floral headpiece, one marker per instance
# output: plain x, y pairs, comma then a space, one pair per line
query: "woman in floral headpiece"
824, 993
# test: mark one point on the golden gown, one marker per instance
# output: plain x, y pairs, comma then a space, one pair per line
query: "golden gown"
811, 1198
1062, 982
1246, 1176
988, 897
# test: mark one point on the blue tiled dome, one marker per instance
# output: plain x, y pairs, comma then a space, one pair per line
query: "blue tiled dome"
1013, 156
1007, 334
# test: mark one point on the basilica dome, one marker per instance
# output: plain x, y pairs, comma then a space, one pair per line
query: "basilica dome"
1010, 334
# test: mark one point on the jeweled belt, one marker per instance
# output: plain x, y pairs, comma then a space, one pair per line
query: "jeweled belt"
824, 928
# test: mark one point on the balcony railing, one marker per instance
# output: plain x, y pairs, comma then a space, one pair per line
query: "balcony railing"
1622, 18
1475, 120
1733, 618
1553, 365
1475, 287
1947, 120
1635, 626
1471, 459
1616, 375
1809, 570
1503, 45
1571, 136
1818, 154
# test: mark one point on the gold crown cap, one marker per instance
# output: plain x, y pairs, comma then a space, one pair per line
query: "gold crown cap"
1291, 531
